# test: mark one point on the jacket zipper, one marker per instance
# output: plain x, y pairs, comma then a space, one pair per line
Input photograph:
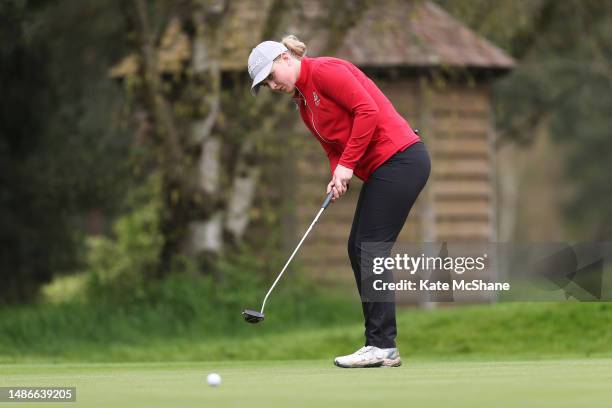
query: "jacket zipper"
312, 120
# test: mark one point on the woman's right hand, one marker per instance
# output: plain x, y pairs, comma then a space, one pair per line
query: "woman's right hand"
331, 186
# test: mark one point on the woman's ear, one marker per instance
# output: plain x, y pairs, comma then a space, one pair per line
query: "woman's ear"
286, 57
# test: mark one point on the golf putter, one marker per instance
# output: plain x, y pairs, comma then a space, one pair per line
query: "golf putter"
253, 316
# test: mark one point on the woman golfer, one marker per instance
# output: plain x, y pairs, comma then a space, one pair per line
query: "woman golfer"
362, 134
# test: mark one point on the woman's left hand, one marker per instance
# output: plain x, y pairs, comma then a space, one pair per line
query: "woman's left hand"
340, 181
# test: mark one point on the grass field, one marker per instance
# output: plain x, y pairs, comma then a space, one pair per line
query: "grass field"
316, 383
502, 355
487, 332
499, 355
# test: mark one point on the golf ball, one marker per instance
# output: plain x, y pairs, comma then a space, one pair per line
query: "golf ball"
213, 379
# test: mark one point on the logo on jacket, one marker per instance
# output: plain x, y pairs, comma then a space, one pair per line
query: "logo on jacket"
316, 98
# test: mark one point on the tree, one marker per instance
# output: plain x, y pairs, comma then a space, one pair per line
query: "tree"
57, 153
563, 82
210, 137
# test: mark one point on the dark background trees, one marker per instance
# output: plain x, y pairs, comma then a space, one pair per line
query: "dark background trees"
62, 151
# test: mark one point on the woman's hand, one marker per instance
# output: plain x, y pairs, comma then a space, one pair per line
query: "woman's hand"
340, 181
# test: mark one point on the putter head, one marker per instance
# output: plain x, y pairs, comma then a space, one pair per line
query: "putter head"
252, 316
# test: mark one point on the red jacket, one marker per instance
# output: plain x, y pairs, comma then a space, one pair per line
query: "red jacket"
353, 120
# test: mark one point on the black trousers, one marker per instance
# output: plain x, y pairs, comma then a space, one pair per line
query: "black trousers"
383, 206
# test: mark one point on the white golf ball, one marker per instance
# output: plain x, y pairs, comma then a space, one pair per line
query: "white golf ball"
213, 379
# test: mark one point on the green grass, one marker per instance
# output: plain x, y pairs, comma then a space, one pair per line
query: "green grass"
551, 383
501, 355
499, 331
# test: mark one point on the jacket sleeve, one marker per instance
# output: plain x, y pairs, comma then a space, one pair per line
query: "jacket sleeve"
333, 160
339, 84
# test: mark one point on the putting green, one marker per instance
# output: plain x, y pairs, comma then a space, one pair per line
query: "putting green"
544, 383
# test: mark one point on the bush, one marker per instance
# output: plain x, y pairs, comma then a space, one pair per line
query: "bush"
128, 261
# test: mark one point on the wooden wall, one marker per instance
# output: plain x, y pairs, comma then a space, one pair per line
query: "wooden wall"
460, 124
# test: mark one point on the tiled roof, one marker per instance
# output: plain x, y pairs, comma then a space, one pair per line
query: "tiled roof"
421, 34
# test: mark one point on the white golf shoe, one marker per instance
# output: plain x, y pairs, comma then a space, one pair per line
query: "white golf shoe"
370, 356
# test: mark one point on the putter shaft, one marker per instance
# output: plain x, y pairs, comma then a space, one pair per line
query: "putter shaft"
323, 207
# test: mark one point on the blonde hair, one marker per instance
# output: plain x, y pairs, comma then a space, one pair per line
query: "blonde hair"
297, 48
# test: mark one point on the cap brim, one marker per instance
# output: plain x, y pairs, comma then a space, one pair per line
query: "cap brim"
263, 74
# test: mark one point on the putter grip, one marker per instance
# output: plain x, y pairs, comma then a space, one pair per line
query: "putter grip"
327, 199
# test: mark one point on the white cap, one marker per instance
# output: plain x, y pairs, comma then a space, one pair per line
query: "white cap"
261, 60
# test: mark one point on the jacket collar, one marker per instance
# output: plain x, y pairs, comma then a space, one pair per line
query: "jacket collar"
304, 77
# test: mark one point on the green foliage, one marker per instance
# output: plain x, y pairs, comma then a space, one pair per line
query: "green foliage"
565, 83
132, 257
511, 25
181, 307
